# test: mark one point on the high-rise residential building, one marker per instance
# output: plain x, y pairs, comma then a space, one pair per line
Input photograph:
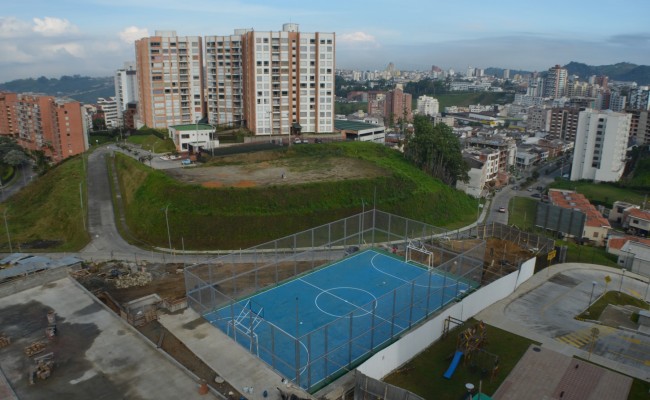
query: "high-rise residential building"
617, 101
274, 82
169, 70
555, 82
600, 145
428, 105
639, 98
397, 105
539, 119
45, 123
564, 122
639, 127
506, 73
109, 108
126, 89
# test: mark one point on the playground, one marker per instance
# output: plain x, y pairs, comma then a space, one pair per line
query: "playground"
425, 375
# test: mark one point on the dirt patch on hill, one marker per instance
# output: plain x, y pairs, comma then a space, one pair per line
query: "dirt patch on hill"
290, 171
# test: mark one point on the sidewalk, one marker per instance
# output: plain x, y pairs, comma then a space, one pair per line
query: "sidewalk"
495, 315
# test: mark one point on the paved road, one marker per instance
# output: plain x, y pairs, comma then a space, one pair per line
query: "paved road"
544, 309
22, 178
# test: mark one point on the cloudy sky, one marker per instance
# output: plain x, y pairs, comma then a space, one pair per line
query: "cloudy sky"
94, 37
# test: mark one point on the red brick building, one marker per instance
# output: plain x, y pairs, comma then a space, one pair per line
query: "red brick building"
46, 123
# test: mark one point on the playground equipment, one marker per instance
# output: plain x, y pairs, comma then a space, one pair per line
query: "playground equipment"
469, 346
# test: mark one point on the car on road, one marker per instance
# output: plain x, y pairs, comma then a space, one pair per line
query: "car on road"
536, 195
318, 140
502, 209
530, 189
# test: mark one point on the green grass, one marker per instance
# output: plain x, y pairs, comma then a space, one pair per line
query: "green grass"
95, 140
588, 254
601, 193
48, 210
152, 142
465, 99
641, 176
423, 374
521, 212
230, 218
615, 298
639, 390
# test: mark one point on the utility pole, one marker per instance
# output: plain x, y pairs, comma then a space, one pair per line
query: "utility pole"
81, 203
7, 229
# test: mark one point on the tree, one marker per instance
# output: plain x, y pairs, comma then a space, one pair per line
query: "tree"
436, 150
15, 158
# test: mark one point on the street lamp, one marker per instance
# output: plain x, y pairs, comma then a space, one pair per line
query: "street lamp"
593, 286
169, 236
7, 229
620, 288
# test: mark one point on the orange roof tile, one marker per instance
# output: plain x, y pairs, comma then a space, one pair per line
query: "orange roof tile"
577, 201
641, 214
617, 243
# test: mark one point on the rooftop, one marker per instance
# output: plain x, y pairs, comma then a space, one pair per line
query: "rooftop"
576, 201
640, 214
192, 127
346, 125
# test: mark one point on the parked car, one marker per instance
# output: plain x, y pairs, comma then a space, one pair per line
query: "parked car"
318, 140
530, 189
502, 209
536, 195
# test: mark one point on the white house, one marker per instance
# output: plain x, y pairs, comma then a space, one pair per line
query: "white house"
193, 135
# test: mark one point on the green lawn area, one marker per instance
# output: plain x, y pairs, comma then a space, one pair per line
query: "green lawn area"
46, 214
588, 254
423, 375
152, 142
612, 297
641, 175
465, 99
601, 193
95, 140
521, 212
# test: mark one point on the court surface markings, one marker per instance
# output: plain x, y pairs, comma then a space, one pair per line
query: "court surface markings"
372, 262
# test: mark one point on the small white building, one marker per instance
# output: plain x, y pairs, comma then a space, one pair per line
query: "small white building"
428, 105
360, 131
192, 136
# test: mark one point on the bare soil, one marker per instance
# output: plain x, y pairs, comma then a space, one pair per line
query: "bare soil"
266, 169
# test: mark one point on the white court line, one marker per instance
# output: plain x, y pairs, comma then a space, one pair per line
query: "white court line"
372, 262
350, 303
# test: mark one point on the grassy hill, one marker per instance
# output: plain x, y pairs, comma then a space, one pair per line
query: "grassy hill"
227, 218
46, 214
619, 72
81, 88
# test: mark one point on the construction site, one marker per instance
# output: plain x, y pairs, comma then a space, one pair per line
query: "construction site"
60, 337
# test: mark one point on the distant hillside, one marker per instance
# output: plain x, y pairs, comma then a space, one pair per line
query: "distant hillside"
498, 72
81, 88
618, 72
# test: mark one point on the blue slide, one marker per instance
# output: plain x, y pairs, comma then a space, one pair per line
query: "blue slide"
453, 365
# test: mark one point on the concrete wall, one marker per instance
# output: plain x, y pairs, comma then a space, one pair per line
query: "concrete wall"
395, 355
33, 280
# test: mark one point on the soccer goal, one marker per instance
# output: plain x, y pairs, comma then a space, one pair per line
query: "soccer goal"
417, 253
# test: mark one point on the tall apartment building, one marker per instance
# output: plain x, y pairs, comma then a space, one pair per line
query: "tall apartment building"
564, 122
109, 108
397, 105
169, 71
539, 119
52, 125
428, 105
555, 84
600, 145
274, 81
639, 127
126, 89
617, 101
639, 98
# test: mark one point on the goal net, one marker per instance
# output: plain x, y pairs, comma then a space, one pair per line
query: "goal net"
418, 254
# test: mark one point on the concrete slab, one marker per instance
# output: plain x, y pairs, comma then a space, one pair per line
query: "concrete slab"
545, 374
227, 358
96, 354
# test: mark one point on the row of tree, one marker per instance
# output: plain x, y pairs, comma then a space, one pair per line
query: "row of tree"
14, 156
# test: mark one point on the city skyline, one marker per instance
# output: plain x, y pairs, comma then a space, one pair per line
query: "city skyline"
95, 37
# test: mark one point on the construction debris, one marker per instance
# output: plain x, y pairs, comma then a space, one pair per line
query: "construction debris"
34, 348
4, 340
132, 279
43, 368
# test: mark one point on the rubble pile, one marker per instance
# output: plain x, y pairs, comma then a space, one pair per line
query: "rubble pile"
132, 279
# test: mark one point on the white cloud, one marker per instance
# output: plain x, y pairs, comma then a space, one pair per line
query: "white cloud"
50, 26
356, 37
133, 33
13, 27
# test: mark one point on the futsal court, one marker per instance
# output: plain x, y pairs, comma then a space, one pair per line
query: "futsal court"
320, 325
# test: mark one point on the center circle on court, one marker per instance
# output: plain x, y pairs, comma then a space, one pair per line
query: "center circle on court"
340, 301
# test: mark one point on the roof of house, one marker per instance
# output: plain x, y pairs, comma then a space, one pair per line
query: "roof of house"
346, 125
192, 127
641, 214
617, 243
577, 201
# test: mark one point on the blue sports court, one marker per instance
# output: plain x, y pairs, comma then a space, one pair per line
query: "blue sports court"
319, 325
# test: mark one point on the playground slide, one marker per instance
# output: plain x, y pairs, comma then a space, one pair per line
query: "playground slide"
453, 365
